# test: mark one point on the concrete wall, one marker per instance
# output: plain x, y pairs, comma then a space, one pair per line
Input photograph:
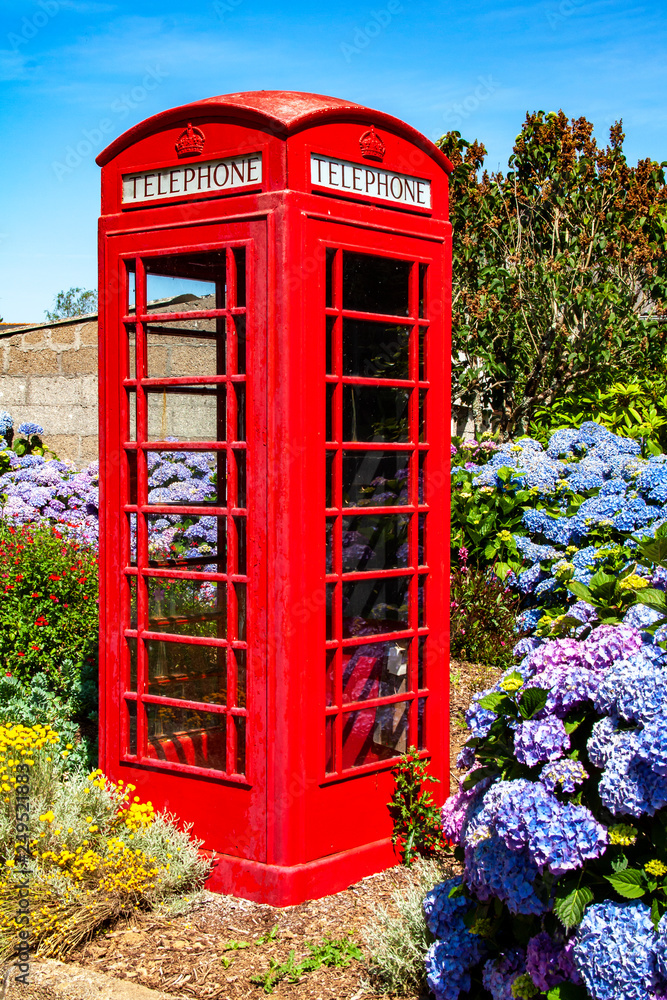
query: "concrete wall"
48, 375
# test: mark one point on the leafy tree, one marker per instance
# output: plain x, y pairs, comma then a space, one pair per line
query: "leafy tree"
560, 271
74, 302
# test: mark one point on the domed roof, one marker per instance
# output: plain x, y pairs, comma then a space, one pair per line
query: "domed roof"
281, 112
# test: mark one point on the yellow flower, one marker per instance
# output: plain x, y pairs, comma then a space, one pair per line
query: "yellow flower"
655, 868
622, 834
10, 863
633, 582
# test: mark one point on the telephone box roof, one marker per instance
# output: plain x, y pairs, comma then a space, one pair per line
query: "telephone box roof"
282, 112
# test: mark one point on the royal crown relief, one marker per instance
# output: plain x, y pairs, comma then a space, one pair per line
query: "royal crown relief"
202, 179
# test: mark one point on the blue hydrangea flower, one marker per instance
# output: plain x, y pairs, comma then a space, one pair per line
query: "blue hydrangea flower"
499, 974
450, 959
538, 740
614, 951
29, 429
563, 775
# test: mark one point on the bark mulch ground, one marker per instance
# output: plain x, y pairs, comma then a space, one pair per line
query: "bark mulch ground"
219, 943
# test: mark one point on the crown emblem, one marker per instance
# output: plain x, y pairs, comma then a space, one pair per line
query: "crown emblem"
190, 142
372, 146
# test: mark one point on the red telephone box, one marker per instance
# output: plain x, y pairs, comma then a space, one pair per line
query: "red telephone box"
274, 418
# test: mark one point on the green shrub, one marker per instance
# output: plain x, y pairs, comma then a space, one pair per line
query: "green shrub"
635, 409
483, 614
48, 611
398, 942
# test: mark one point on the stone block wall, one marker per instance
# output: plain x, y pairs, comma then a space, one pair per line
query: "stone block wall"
48, 375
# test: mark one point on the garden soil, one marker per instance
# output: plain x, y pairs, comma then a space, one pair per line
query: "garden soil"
197, 954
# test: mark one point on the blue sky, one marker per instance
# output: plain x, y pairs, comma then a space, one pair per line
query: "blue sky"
68, 65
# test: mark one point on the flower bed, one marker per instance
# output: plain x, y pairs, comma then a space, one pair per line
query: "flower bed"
561, 827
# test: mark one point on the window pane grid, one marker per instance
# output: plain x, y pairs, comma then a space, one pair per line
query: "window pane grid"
361, 669
196, 592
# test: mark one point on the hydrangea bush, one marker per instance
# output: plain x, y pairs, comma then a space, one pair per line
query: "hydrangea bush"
572, 515
560, 825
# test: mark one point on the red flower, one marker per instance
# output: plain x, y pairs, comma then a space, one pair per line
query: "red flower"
35, 595
53, 597
34, 647
54, 576
7, 673
20, 654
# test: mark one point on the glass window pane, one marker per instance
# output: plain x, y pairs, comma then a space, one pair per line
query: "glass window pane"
240, 724
131, 355
186, 413
375, 350
331, 360
423, 289
421, 602
131, 471
378, 670
130, 429
131, 286
375, 542
422, 355
331, 255
423, 404
329, 476
188, 672
375, 284
421, 535
241, 677
186, 478
421, 723
239, 390
240, 457
241, 606
330, 681
241, 557
239, 258
330, 528
131, 663
184, 736
187, 607
422, 662
132, 539
193, 281
375, 413
330, 604
131, 724
330, 745
187, 540
375, 478
180, 348
375, 606
131, 601
373, 734
331, 398
241, 347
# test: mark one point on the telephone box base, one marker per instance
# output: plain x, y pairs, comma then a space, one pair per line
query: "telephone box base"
279, 885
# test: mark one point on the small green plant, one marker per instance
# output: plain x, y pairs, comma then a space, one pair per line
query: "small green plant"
269, 936
235, 945
417, 828
332, 953
483, 613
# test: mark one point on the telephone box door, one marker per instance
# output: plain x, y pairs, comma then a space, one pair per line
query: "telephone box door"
184, 401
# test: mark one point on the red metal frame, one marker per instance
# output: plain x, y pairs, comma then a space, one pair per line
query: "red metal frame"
289, 824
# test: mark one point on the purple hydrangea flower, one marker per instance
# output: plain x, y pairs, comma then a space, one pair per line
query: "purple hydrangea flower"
539, 740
